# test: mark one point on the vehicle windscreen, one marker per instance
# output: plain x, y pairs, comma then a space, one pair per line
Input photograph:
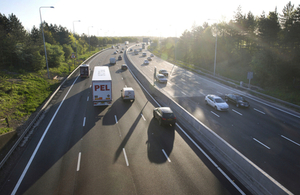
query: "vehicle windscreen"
161, 76
219, 100
168, 115
240, 98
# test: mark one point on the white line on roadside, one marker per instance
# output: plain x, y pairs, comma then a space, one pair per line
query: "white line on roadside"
237, 112
211, 160
143, 117
84, 121
127, 163
78, 162
116, 119
214, 113
40, 142
262, 143
166, 155
290, 140
259, 111
87, 99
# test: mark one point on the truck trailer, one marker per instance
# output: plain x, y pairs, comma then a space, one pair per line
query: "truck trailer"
102, 86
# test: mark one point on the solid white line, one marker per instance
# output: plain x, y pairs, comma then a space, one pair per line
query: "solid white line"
84, 121
78, 162
166, 155
214, 113
116, 119
87, 99
125, 157
262, 143
143, 117
290, 140
40, 142
211, 160
237, 112
259, 111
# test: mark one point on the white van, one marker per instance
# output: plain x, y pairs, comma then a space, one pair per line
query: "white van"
112, 60
127, 93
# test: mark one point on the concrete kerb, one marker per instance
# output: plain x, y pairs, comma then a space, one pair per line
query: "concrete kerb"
251, 176
41, 111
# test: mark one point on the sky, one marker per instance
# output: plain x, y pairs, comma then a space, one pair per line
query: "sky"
161, 18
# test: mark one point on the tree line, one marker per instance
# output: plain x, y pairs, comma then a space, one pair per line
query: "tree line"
267, 45
22, 50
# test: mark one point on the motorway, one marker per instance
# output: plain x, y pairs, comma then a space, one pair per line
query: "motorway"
267, 134
120, 149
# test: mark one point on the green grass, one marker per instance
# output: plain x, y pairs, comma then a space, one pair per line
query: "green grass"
22, 93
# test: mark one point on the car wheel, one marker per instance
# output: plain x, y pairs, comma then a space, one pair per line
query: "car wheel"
237, 105
226, 99
206, 102
153, 114
216, 108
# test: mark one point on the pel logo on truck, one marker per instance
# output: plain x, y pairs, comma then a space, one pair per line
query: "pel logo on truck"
101, 87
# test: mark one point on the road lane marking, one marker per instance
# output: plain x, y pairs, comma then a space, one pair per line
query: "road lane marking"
219, 93
90, 86
143, 117
214, 113
290, 140
237, 112
87, 99
212, 161
40, 142
116, 119
183, 93
125, 157
166, 155
84, 121
262, 143
78, 162
259, 111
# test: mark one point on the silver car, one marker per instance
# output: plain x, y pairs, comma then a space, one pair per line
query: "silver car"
161, 78
216, 102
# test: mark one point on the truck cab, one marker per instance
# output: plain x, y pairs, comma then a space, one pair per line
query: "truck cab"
84, 70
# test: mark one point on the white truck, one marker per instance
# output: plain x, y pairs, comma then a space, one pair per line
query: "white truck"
126, 42
102, 86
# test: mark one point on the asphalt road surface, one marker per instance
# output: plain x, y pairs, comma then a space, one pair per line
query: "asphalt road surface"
120, 149
267, 134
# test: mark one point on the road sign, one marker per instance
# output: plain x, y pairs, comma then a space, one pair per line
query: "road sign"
73, 56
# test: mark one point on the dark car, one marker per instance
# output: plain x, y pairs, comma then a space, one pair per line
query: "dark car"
238, 100
164, 115
121, 51
124, 67
120, 57
164, 72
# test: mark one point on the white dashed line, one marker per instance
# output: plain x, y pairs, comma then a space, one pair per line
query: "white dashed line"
214, 113
84, 121
87, 99
143, 117
262, 143
259, 111
183, 93
116, 119
237, 112
127, 163
166, 155
290, 140
78, 162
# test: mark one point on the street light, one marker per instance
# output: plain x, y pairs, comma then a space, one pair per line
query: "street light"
215, 47
89, 38
74, 36
44, 37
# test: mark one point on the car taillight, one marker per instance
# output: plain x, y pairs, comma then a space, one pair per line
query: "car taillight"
174, 117
163, 119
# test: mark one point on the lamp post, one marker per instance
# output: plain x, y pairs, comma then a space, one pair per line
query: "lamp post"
44, 37
74, 36
89, 38
215, 61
